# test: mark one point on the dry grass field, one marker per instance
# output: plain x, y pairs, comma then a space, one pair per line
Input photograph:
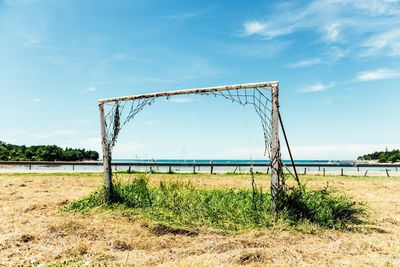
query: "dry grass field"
34, 231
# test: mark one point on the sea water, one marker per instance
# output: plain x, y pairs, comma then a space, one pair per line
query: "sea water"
351, 166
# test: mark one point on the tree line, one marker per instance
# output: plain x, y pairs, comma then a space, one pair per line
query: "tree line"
9, 152
383, 156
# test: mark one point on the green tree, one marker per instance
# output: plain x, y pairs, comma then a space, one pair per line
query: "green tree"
44, 153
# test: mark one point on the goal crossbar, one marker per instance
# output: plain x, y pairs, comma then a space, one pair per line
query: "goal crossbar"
203, 90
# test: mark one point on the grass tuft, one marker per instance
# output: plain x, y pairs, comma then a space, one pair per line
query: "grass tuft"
321, 207
183, 205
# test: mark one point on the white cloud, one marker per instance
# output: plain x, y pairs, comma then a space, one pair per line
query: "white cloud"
317, 87
305, 63
358, 26
91, 89
388, 42
29, 39
254, 27
263, 29
31, 42
376, 7
379, 74
188, 15
332, 32
335, 53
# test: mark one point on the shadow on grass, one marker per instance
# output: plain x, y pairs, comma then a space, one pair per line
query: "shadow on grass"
183, 205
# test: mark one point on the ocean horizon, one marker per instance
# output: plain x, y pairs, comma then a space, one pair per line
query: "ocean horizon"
234, 161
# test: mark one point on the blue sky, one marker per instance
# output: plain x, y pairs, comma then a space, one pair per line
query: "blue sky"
337, 62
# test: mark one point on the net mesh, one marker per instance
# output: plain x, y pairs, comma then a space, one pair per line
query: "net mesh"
121, 112
262, 106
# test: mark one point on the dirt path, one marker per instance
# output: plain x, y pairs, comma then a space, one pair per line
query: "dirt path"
33, 230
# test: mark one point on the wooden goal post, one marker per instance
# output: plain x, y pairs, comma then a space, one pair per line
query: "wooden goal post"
273, 86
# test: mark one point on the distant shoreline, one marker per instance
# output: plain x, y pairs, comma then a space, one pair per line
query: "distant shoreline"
204, 166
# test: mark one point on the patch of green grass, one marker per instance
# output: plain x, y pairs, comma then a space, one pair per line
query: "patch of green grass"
231, 210
225, 209
321, 207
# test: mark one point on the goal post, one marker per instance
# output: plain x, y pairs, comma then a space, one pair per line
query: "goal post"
266, 106
107, 155
276, 166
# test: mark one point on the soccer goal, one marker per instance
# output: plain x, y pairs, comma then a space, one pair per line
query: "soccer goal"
263, 96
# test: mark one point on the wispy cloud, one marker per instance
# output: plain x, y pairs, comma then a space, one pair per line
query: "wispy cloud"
388, 42
305, 63
32, 41
187, 15
335, 53
263, 29
254, 27
378, 74
28, 39
317, 87
90, 89
332, 32
370, 26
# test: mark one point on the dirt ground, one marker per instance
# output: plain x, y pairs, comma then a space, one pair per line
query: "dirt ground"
33, 230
